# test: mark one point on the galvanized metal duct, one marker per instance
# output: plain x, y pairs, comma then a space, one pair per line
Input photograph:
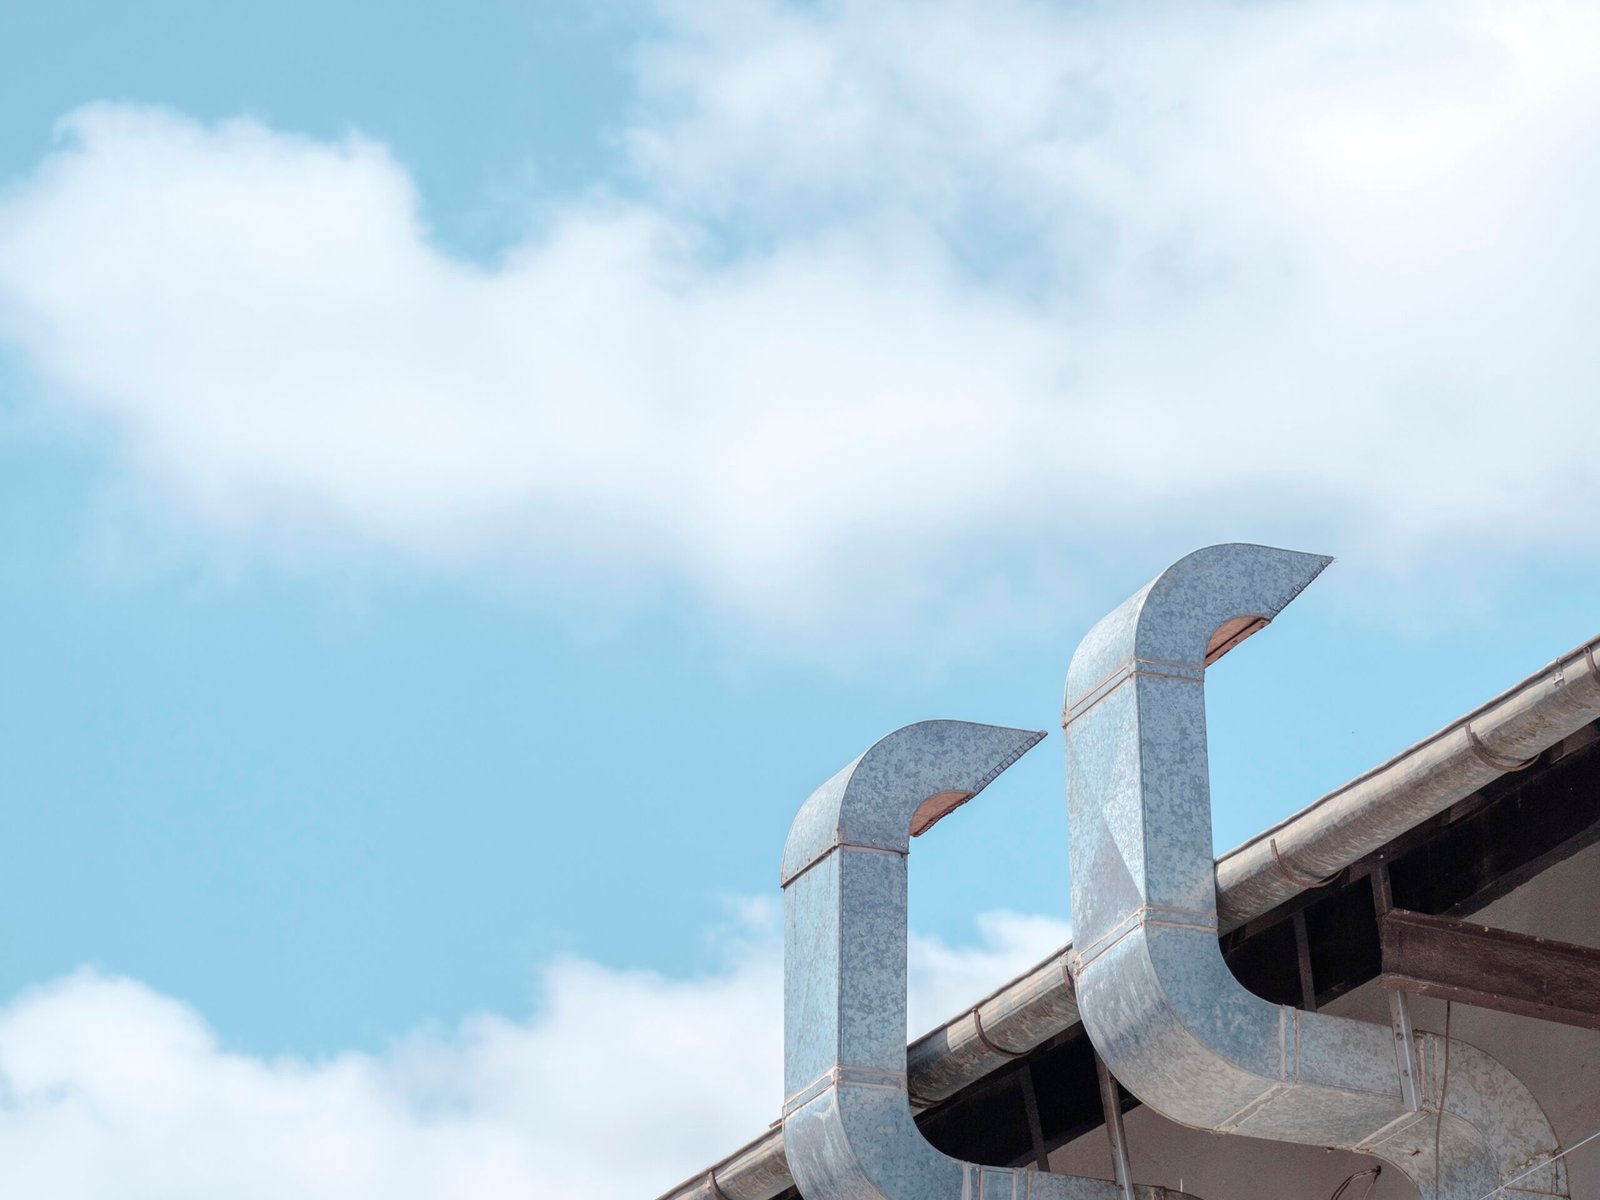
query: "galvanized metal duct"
1331, 834
1162, 1008
847, 1126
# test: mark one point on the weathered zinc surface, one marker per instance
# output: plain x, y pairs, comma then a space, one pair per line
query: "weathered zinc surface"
1154, 993
1538, 718
848, 1133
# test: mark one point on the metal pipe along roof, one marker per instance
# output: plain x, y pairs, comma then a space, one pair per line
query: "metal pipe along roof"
1299, 853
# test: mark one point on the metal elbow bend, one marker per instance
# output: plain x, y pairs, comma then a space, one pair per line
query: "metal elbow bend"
847, 1126
1156, 998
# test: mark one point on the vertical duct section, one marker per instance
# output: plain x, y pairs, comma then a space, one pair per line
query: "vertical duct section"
1154, 994
847, 1127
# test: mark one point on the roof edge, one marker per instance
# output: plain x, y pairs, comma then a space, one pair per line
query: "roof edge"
1301, 852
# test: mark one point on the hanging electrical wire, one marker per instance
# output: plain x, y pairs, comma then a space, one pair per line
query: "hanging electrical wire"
1370, 1175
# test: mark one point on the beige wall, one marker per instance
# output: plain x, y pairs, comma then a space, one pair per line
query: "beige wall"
1560, 1064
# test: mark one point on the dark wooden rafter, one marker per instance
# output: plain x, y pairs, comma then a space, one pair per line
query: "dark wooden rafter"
1490, 968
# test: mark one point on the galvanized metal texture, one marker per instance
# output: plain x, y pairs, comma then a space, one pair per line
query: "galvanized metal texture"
847, 1128
1332, 833
1154, 994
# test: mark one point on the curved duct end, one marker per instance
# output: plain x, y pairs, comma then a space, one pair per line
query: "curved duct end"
913, 776
1155, 996
848, 1133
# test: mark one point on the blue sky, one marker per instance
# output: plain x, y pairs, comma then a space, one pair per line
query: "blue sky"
465, 478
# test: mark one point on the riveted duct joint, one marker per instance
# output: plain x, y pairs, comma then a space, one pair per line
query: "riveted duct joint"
1153, 992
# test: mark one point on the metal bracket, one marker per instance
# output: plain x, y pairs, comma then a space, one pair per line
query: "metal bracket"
1111, 1102
1405, 1039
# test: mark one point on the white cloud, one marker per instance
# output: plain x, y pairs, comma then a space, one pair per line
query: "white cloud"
622, 1084
899, 280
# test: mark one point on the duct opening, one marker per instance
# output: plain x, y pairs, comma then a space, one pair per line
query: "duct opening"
1230, 633
935, 809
